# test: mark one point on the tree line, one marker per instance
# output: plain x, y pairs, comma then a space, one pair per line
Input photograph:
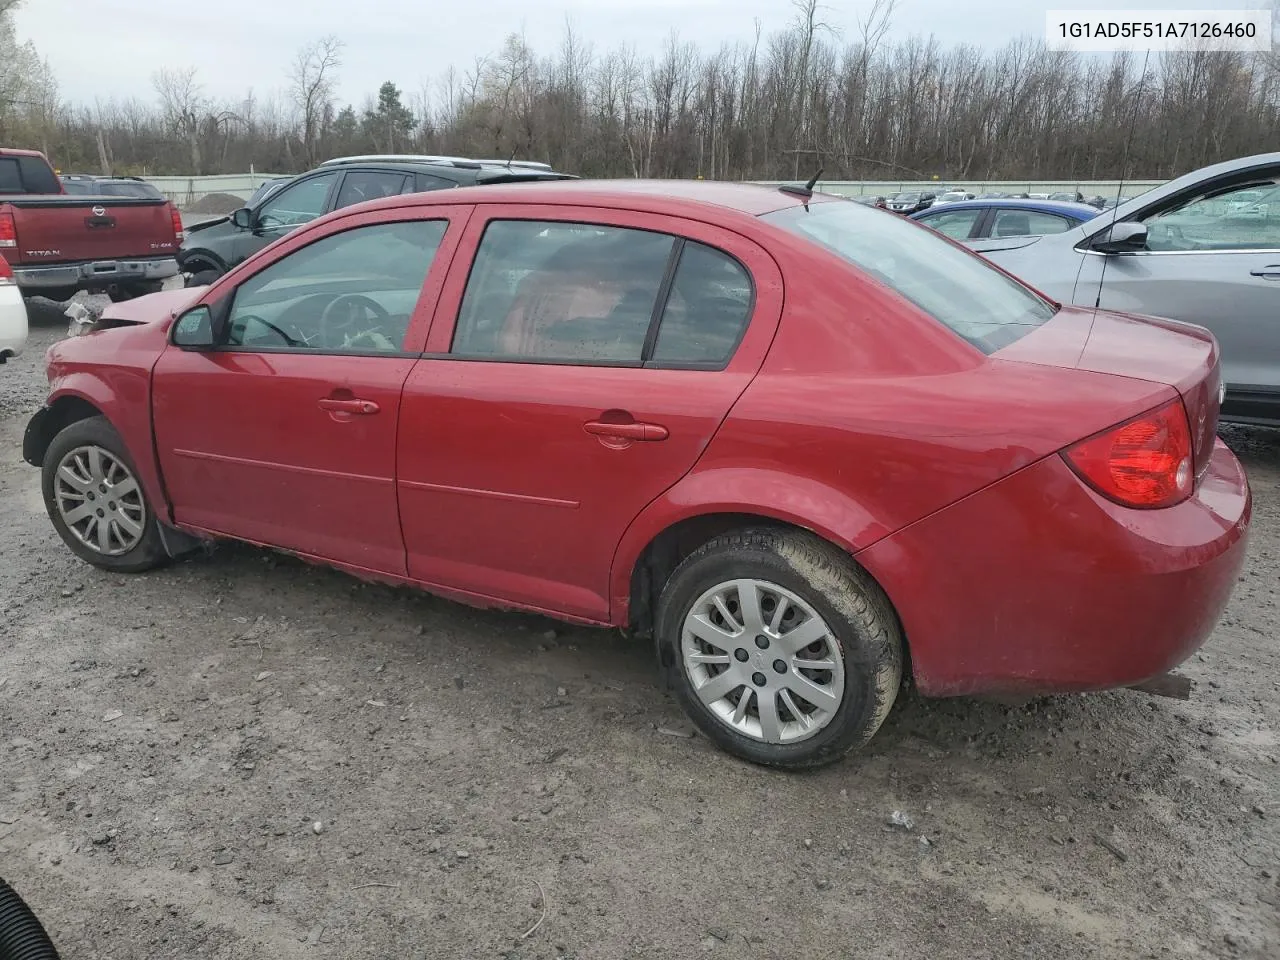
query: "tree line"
777, 107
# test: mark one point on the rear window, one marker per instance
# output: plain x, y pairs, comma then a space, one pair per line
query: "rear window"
10, 180
955, 287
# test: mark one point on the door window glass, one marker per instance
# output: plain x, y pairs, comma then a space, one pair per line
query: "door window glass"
362, 185
1027, 223
568, 292
1246, 217
957, 224
297, 204
352, 291
707, 311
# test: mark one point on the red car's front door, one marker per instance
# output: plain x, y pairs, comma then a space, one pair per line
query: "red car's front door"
579, 362
287, 435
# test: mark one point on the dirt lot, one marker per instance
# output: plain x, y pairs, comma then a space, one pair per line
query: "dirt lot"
245, 757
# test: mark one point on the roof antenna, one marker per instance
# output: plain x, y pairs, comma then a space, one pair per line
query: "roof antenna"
1124, 170
805, 191
514, 150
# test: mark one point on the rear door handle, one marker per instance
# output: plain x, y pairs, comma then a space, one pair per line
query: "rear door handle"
1268, 273
627, 431
361, 407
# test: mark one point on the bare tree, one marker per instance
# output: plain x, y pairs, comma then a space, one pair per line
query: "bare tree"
184, 106
312, 78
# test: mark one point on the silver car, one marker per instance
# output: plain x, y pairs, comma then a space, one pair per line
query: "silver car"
1204, 248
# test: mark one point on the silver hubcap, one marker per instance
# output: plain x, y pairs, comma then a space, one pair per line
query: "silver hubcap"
100, 501
763, 661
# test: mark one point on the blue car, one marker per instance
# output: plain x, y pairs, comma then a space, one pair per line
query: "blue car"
968, 220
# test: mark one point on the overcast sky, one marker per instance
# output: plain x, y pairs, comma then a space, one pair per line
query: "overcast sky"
111, 48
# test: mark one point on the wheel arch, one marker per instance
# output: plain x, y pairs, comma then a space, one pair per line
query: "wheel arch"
202, 258
679, 522
62, 410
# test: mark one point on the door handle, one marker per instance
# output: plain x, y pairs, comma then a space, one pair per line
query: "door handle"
626, 431
1268, 273
363, 407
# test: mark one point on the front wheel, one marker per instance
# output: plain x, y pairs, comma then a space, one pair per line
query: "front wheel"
95, 501
131, 291
779, 647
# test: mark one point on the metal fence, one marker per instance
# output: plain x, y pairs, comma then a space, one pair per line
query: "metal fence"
185, 191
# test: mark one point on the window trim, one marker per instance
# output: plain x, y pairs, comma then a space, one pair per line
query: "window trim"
654, 330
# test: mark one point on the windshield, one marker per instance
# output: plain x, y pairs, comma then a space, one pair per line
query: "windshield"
955, 287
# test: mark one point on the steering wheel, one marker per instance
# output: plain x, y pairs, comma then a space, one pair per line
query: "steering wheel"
289, 341
340, 319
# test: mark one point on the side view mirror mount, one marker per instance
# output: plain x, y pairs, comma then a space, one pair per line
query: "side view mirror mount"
1123, 237
243, 218
198, 329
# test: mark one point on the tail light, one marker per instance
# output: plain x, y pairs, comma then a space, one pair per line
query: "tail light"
1144, 462
179, 233
6, 272
8, 231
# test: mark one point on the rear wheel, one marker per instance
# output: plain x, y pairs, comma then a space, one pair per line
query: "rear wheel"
92, 495
779, 647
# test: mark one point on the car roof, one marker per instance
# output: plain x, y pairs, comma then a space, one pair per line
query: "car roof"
1076, 210
15, 152
658, 196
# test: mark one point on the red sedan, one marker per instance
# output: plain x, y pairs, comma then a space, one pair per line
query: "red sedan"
814, 449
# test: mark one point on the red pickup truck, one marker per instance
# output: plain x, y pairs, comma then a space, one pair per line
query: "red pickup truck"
58, 243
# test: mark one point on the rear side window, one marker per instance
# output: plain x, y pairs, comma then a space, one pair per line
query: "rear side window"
10, 178
562, 292
957, 224
1027, 223
361, 185
959, 289
707, 311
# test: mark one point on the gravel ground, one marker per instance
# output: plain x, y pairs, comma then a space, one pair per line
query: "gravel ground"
246, 757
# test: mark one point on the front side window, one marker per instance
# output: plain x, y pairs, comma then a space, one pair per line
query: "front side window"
569, 292
1027, 223
959, 289
362, 185
352, 291
297, 204
957, 224
1244, 217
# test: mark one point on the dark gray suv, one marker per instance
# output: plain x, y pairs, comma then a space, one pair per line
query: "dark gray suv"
215, 246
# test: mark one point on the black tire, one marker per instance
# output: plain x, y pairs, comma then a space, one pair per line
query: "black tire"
857, 612
130, 291
22, 936
149, 551
202, 278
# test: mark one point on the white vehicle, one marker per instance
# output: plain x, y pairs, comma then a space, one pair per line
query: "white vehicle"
951, 196
13, 315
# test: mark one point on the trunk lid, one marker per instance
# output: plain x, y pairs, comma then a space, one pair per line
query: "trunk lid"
63, 229
1180, 355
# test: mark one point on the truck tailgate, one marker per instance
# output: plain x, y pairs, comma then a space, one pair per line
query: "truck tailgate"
59, 229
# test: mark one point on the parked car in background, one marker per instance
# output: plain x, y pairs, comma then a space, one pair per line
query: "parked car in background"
1068, 197
911, 202
1185, 251
58, 243
83, 185
868, 200
978, 219
13, 315
953, 196
215, 246
658, 379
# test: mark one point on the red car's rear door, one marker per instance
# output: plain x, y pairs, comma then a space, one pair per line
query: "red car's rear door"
579, 362
288, 436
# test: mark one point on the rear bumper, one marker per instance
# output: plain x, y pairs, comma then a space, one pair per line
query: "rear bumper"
1038, 585
94, 273
13, 321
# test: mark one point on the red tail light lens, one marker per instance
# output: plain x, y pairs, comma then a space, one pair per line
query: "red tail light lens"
179, 233
1144, 462
8, 232
6, 271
